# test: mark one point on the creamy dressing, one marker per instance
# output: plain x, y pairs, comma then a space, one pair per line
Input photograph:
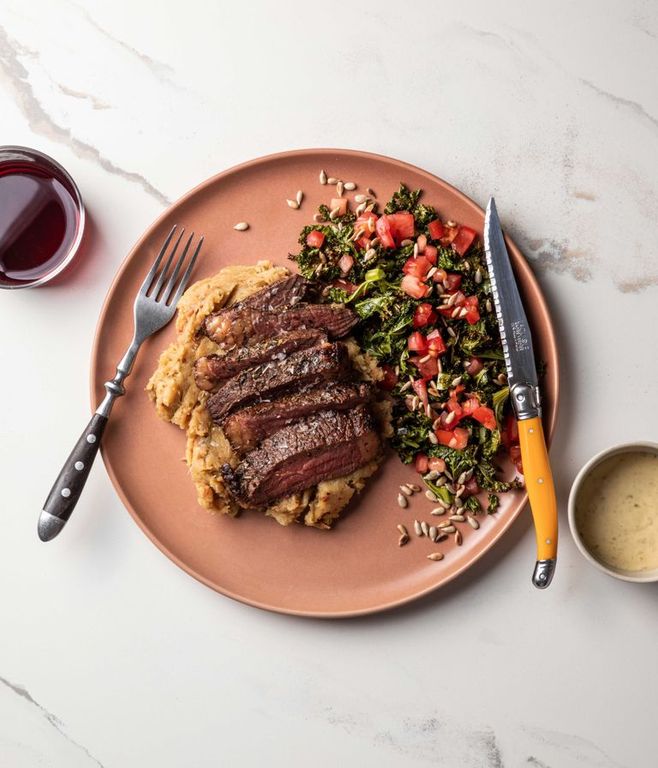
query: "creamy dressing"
617, 511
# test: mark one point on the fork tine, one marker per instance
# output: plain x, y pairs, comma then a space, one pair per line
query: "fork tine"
174, 275
186, 275
151, 274
165, 269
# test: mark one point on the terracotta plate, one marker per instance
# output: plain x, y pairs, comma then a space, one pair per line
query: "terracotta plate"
357, 568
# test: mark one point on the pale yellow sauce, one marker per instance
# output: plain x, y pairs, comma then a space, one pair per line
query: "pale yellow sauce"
617, 511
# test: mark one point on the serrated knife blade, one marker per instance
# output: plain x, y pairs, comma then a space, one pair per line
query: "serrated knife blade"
524, 394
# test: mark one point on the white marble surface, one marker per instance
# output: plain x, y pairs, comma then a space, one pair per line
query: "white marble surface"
109, 655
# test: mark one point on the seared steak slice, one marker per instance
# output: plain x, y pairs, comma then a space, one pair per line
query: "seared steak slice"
245, 325
214, 369
303, 369
286, 293
326, 445
246, 428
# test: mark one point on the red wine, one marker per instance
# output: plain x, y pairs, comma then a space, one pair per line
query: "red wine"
39, 220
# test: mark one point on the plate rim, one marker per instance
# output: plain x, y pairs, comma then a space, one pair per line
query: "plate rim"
520, 264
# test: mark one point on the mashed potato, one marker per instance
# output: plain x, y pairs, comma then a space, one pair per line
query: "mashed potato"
178, 400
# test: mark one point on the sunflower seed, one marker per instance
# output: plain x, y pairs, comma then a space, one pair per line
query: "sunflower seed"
369, 208
431, 496
451, 223
432, 272
433, 532
488, 305
455, 312
461, 479
448, 474
374, 241
449, 529
478, 275
438, 511
299, 196
406, 242
402, 501
436, 556
425, 528
441, 537
444, 505
452, 333
422, 242
292, 204
432, 438
463, 312
350, 186
466, 265
405, 387
456, 381
402, 530
415, 250
431, 475
332, 180
441, 481
418, 528
334, 213
415, 488
450, 417
241, 226
457, 518
458, 538
369, 254
502, 379
360, 198
323, 176
318, 218
403, 539
445, 524
406, 490
371, 192
459, 502
339, 188
473, 522
414, 402
460, 492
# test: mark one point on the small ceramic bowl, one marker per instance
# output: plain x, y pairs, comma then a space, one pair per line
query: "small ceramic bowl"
618, 573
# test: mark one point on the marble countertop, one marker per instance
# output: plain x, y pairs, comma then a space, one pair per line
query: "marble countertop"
111, 656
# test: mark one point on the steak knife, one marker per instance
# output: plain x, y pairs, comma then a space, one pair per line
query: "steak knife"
524, 393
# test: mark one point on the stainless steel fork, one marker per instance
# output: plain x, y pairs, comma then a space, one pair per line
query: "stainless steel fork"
155, 305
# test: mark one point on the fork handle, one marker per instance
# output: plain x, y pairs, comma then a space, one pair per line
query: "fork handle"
71, 480
66, 491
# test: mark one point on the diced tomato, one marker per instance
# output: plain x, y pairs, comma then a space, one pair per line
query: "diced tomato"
345, 263
471, 487
390, 378
485, 416
473, 310
455, 407
439, 276
427, 368
449, 234
413, 287
464, 240
424, 315
457, 302
344, 285
510, 435
470, 405
452, 281
436, 346
402, 225
363, 242
515, 456
457, 438
420, 388
436, 464
315, 238
417, 343
475, 365
436, 229
384, 232
418, 267
431, 253
367, 221
421, 463
340, 203
449, 421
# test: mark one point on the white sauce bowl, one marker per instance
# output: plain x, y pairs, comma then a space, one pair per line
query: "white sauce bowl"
618, 573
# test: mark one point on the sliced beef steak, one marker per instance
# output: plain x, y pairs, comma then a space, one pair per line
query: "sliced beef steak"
286, 293
212, 370
324, 446
246, 325
248, 427
304, 369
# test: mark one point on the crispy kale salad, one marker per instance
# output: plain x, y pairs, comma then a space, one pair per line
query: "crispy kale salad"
421, 288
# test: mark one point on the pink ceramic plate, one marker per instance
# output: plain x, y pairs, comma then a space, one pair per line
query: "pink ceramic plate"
358, 567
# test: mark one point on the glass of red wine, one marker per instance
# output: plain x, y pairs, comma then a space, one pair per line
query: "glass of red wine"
41, 218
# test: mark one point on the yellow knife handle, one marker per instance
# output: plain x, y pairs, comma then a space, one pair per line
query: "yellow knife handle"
541, 492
